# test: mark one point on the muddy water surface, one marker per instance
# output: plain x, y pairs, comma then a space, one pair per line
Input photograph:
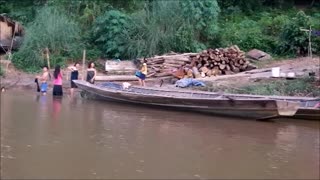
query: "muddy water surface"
48, 138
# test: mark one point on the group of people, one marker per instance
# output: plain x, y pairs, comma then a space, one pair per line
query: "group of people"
58, 78
91, 75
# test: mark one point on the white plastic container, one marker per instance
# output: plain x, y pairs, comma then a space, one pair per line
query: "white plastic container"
275, 72
282, 74
291, 75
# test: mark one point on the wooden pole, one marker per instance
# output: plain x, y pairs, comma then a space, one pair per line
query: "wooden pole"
83, 63
48, 58
310, 48
309, 39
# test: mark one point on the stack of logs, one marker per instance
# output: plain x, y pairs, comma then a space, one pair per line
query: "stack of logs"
211, 62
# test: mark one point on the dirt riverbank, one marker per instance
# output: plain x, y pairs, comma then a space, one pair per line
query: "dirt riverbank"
302, 67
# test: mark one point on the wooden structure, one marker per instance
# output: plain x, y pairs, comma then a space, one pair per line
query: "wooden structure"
10, 34
220, 104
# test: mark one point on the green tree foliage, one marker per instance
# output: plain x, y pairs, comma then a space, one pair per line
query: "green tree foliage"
51, 29
4, 8
153, 29
247, 6
22, 11
315, 22
160, 27
293, 40
84, 12
108, 33
1, 71
137, 28
247, 34
203, 16
253, 6
200, 13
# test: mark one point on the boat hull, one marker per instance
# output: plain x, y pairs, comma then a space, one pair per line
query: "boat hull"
246, 108
308, 114
229, 112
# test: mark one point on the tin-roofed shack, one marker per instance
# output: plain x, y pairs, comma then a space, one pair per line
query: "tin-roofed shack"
11, 33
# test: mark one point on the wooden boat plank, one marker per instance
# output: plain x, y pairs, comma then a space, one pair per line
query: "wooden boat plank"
231, 95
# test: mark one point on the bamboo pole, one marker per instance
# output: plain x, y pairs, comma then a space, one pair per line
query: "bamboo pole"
83, 63
309, 38
310, 48
48, 57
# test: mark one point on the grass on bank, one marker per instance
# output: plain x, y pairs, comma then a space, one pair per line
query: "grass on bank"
1, 71
306, 86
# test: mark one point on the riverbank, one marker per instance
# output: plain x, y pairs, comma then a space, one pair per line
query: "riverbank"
258, 81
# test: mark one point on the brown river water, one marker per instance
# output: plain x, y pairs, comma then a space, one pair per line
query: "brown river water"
67, 138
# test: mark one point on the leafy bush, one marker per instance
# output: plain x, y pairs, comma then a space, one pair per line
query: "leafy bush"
247, 34
93, 53
160, 27
185, 42
200, 13
293, 40
108, 31
1, 71
51, 29
315, 21
271, 31
154, 29
247, 6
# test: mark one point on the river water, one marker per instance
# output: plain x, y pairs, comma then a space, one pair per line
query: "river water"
66, 138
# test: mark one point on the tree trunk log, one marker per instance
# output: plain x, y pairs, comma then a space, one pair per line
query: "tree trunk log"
196, 72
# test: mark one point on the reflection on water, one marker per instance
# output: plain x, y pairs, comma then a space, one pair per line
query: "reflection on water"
45, 137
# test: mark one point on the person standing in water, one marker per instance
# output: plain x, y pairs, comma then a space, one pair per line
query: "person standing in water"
74, 76
142, 74
57, 82
91, 73
43, 79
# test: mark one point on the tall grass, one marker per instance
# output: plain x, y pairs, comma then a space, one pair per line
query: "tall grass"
170, 26
161, 26
51, 29
153, 30
1, 71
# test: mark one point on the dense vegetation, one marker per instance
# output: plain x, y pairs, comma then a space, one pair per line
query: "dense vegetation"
1, 71
127, 29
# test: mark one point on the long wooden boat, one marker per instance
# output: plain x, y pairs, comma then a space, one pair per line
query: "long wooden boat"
220, 104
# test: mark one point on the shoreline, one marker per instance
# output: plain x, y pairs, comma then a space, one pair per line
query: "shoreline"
18, 80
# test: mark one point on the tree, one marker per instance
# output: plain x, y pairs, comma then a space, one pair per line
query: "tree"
107, 33
293, 40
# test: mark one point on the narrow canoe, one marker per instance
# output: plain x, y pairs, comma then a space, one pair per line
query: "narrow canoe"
248, 107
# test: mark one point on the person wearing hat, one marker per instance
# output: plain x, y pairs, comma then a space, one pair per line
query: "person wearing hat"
142, 74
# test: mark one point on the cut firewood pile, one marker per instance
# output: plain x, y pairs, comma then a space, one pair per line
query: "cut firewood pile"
210, 62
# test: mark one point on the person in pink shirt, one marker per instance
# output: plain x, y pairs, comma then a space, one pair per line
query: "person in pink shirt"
57, 82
